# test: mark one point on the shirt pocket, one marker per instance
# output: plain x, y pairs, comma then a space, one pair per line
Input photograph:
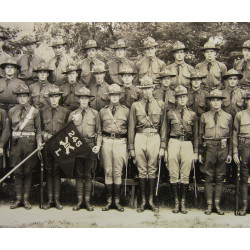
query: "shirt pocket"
122, 120
240, 103
1, 88
245, 125
175, 125
91, 125
156, 116
224, 129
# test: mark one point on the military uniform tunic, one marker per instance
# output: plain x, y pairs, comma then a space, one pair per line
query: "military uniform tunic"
169, 99
243, 67
130, 95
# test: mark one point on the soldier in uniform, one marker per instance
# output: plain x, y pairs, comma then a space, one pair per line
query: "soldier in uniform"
180, 68
241, 151
3, 55
87, 122
115, 66
150, 65
182, 126
114, 123
70, 100
215, 135
25, 127
53, 118
38, 89
213, 69
146, 139
59, 62
87, 64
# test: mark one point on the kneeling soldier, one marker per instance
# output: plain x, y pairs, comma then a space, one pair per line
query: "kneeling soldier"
146, 137
114, 122
53, 118
87, 122
216, 138
26, 136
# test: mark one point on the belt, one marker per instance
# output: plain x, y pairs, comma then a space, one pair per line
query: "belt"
89, 140
214, 142
21, 134
244, 140
182, 138
147, 130
114, 135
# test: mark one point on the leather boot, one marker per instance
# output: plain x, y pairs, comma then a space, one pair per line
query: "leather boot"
27, 186
118, 197
209, 208
50, 192
184, 188
243, 210
79, 191
217, 197
88, 187
143, 184
19, 190
57, 187
243, 196
209, 196
175, 190
151, 182
109, 188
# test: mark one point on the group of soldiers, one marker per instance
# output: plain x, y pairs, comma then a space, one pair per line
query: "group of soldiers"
142, 111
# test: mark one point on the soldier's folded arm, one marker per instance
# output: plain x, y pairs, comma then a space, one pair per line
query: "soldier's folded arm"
131, 131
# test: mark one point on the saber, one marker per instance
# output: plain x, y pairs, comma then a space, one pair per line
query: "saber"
158, 179
195, 185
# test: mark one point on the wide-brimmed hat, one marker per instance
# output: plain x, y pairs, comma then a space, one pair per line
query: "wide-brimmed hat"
72, 67
90, 44
149, 42
42, 67
3, 35
232, 72
165, 73
22, 89
179, 46
216, 93
180, 90
10, 61
29, 39
58, 41
246, 44
54, 90
209, 45
119, 44
196, 74
99, 68
126, 69
114, 89
84, 92
146, 82
247, 95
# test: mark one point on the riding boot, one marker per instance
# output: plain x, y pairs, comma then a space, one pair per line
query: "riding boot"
151, 182
57, 188
143, 184
27, 187
79, 191
209, 197
118, 197
184, 188
217, 197
243, 194
109, 188
88, 187
19, 191
175, 190
50, 192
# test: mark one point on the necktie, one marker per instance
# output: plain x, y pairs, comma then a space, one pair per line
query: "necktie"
113, 110
29, 60
147, 107
22, 110
7, 81
178, 69
182, 114
216, 114
150, 70
83, 114
57, 61
53, 112
209, 65
91, 65
164, 95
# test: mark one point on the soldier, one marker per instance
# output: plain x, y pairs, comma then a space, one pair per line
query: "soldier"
87, 64
99, 88
3, 55
215, 135
38, 89
59, 62
150, 65
87, 122
29, 61
146, 139
114, 123
26, 137
165, 93
179, 68
241, 149
182, 126
114, 66
213, 69
243, 65
70, 100
53, 118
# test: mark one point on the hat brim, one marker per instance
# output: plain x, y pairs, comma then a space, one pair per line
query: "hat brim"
161, 77
225, 77
114, 93
181, 94
151, 46
52, 94
4, 38
90, 96
127, 73
39, 70
121, 47
219, 97
185, 49
54, 45
146, 87
244, 47
204, 49
96, 72
3, 65
31, 42
19, 93
198, 77
94, 47
77, 70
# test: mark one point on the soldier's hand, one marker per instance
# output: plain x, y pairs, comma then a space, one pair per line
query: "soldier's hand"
1, 151
229, 159
132, 153
236, 159
195, 157
166, 156
161, 153
200, 159
96, 149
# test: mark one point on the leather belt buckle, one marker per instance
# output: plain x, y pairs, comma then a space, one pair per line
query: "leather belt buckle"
112, 135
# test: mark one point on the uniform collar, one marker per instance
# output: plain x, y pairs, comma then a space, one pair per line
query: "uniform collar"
26, 107
111, 106
165, 89
10, 79
231, 90
54, 108
93, 60
152, 59
195, 91
213, 62
128, 87
213, 111
182, 63
149, 100
180, 108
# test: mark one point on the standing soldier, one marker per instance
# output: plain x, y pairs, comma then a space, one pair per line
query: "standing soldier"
150, 65
179, 68
114, 123
39, 89
3, 55
146, 139
115, 66
213, 69
26, 136
87, 122
87, 64
241, 150
53, 118
70, 100
29, 61
215, 135
182, 126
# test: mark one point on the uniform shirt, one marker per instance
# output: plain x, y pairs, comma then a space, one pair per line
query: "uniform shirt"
17, 116
121, 116
169, 97
84, 65
101, 97
88, 124
53, 119
214, 77
189, 123
197, 101
4, 128
39, 94
3, 58
69, 99
57, 76
233, 102
182, 71
244, 68
130, 95
137, 120
241, 128
115, 66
